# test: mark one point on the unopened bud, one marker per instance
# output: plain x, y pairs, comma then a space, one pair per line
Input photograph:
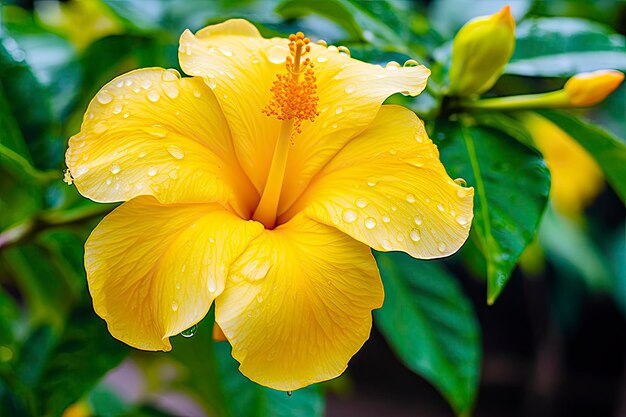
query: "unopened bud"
590, 88
480, 52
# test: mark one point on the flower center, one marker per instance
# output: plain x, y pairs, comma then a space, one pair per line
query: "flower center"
294, 101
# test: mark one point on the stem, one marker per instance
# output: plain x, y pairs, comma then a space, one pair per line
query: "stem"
49, 219
555, 99
268, 206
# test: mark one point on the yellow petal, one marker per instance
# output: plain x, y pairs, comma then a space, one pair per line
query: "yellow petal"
388, 189
350, 95
154, 270
576, 177
298, 304
148, 132
240, 66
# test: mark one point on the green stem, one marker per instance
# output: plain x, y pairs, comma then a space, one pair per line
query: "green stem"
49, 219
553, 100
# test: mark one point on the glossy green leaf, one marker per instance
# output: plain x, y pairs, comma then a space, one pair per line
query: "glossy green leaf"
431, 326
608, 151
511, 185
559, 47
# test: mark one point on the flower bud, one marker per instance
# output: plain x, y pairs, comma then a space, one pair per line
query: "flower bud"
480, 52
590, 88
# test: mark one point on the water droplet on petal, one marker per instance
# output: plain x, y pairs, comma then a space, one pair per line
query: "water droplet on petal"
104, 97
170, 90
100, 127
410, 198
386, 244
461, 219
349, 216
415, 235
349, 88
343, 50
461, 182
361, 202
115, 169
211, 286
225, 51
440, 207
190, 331
418, 220
392, 65
370, 223
322, 59
338, 110
174, 306
197, 93
126, 115
371, 182
259, 298
176, 152
152, 171
141, 154
146, 84
153, 96
386, 219
117, 109
441, 247
170, 75
212, 83
157, 130
411, 63
276, 54
333, 48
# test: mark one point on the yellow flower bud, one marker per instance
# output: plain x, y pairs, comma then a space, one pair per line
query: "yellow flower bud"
480, 52
590, 88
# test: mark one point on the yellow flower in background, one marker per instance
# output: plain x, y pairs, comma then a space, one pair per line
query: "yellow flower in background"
260, 183
576, 177
81, 21
590, 88
480, 51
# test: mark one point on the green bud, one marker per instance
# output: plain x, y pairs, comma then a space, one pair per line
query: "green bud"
480, 52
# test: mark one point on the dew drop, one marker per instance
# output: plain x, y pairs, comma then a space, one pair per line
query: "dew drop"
141, 154
461, 193
197, 93
461, 219
410, 198
415, 235
393, 151
170, 75
440, 207
289, 393
350, 88
108, 181
322, 58
418, 220
386, 219
400, 238
174, 306
392, 65
370, 223
189, 332
152, 171
212, 83
386, 244
461, 182
117, 109
176, 152
361, 203
170, 90
441, 247
100, 127
338, 110
349, 216
153, 96
322, 42
276, 54
211, 286
146, 84
411, 63
178, 285
115, 169
343, 50
259, 298
371, 182
157, 130
104, 97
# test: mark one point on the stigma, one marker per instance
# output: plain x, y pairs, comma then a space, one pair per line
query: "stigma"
294, 93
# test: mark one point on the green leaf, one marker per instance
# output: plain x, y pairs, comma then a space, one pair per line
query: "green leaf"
570, 248
431, 326
560, 47
84, 353
226, 392
511, 185
608, 151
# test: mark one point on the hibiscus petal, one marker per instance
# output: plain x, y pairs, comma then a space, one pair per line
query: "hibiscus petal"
297, 304
240, 66
388, 189
154, 270
350, 95
148, 132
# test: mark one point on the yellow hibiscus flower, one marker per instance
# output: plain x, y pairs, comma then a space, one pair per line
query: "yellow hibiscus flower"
259, 183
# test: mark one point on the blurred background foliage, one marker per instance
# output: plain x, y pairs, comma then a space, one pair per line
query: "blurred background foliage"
552, 345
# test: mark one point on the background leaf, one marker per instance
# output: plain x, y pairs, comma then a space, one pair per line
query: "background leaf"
511, 185
431, 326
